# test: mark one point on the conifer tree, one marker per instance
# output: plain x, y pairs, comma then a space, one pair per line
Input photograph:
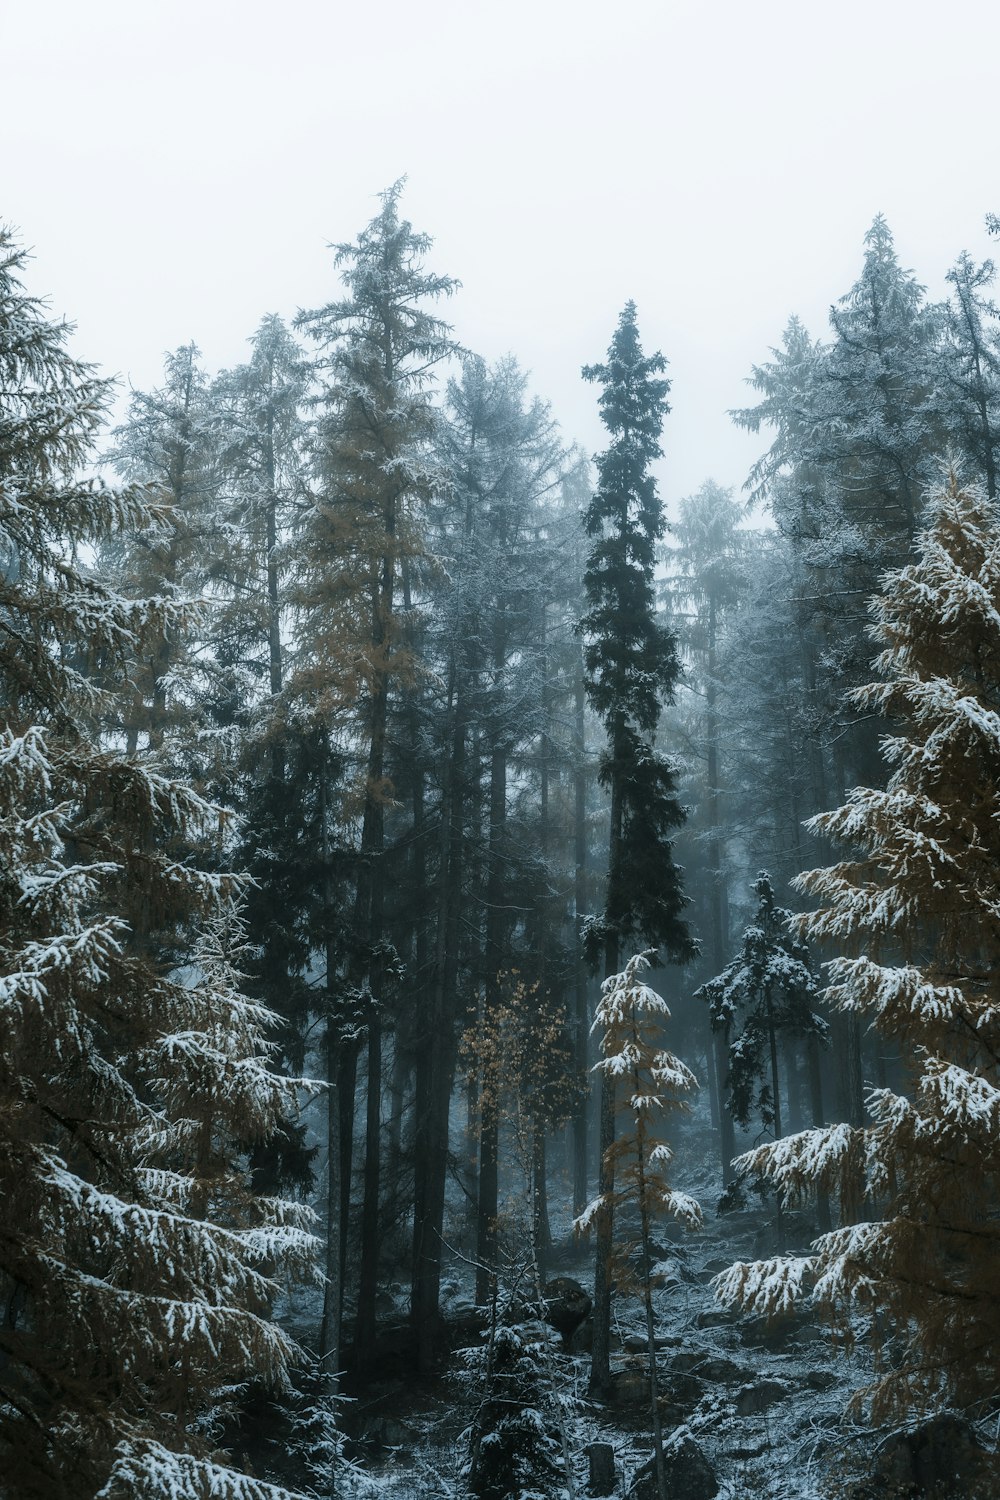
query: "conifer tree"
708, 565
379, 345
765, 995
169, 442
629, 1017
970, 368
914, 906
135, 1266
631, 667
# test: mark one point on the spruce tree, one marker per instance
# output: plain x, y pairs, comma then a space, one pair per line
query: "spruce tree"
379, 346
767, 993
169, 442
913, 909
629, 1016
135, 1265
631, 665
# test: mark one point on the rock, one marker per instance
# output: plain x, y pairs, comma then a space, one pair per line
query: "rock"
939, 1460
566, 1304
688, 1473
751, 1400
601, 1457
717, 1317
775, 1333
628, 1388
682, 1390
721, 1370
686, 1361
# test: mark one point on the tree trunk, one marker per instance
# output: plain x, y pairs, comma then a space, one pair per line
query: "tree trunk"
486, 1229
369, 927
580, 978
647, 1298
436, 1058
541, 1229
600, 1359
720, 1039
818, 1120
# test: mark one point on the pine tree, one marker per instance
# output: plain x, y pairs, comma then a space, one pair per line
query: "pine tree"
631, 668
629, 1017
170, 443
766, 995
915, 907
708, 567
504, 455
970, 368
379, 346
135, 1265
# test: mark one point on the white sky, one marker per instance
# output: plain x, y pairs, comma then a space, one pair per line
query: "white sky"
179, 169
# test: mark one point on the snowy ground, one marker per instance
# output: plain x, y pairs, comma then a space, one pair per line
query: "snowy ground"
765, 1404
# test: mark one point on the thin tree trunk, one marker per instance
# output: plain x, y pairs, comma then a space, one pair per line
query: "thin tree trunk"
333, 1295
600, 1359
541, 1229
720, 1039
647, 1297
436, 1058
580, 978
486, 1230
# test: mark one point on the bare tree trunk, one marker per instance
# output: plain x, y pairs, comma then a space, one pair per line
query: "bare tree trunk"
436, 1059
541, 1229
580, 985
486, 1230
600, 1359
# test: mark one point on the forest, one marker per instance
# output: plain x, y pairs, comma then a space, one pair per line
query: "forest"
500, 995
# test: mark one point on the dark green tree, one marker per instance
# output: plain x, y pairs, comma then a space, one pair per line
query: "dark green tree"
379, 348
631, 666
767, 993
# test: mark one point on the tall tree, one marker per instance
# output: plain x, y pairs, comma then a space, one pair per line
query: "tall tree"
632, 666
970, 368
768, 992
708, 564
914, 905
628, 1018
135, 1265
169, 442
379, 347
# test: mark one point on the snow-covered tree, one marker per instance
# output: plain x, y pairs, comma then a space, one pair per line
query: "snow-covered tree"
629, 1019
969, 367
169, 442
631, 669
379, 347
768, 993
915, 906
707, 580
136, 1269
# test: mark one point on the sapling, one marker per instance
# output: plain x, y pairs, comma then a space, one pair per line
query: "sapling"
653, 1080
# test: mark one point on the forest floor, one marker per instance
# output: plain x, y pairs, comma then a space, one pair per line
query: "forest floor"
765, 1405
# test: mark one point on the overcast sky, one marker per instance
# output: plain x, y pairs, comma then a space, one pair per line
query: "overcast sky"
180, 168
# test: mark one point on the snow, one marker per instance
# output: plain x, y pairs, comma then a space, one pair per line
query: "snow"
149, 1471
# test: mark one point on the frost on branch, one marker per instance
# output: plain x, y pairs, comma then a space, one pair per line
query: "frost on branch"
138, 1268
651, 1084
916, 906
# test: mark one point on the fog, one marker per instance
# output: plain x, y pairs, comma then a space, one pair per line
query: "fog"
180, 170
